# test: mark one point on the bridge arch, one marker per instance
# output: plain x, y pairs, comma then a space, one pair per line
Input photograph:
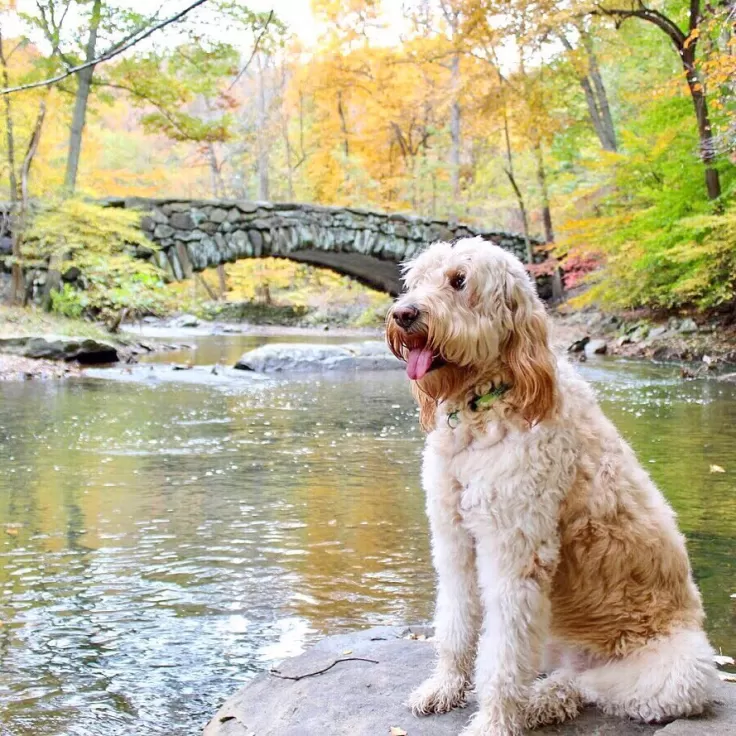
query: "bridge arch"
193, 235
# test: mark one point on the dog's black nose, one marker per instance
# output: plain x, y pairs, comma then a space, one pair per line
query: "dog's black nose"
405, 317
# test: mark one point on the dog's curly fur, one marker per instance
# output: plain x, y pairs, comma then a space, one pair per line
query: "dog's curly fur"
554, 549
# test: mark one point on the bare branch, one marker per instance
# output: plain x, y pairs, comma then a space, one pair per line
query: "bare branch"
253, 53
25, 169
296, 678
652, 16
109, 54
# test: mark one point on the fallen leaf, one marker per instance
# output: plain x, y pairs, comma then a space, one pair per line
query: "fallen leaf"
12, 532
722, 660
396, 731
411, 636
348, 651
727, 676
717, 469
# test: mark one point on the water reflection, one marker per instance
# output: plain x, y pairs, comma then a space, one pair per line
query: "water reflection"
159, 545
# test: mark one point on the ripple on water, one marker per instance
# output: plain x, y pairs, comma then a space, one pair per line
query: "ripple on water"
160, 545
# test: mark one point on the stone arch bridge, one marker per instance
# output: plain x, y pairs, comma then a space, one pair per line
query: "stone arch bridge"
193, 235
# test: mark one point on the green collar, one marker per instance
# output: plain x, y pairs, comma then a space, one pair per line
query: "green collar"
485, 401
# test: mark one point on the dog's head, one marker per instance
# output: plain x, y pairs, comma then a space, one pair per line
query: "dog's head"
470, 313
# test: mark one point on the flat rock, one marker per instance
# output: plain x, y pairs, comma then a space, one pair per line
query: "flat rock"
287, 357
185, 320
57, 347
154, 374
366, 698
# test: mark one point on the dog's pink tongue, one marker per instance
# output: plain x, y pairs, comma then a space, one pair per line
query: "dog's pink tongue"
419, 362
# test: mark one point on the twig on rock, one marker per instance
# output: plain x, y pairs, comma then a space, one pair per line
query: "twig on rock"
275, 673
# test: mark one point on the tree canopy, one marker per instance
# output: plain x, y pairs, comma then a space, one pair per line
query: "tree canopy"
605, 127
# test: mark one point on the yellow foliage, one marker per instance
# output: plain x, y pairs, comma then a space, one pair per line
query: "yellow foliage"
297, 284
281, 282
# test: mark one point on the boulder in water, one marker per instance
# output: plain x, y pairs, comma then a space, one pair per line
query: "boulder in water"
305, 357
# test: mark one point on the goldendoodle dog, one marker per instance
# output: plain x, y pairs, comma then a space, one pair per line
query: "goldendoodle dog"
555, 551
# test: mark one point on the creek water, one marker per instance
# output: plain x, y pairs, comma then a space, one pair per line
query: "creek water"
162, 542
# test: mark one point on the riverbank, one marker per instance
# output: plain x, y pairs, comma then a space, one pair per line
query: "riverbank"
641, 335
17, 368
701, 346
37, 344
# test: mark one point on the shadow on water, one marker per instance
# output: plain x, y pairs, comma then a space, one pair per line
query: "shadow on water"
161, 545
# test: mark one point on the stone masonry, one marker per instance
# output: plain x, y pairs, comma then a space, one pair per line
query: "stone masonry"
193, 235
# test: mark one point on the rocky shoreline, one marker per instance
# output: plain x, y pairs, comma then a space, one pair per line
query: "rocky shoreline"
17, 368
688, 340
47, 356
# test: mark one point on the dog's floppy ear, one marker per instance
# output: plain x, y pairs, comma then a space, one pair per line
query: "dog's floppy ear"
427, 407
528, 355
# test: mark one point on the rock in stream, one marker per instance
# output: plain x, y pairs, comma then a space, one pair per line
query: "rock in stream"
293, 357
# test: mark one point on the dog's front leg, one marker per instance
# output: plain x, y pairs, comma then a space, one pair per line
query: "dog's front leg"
513, 574
457, 613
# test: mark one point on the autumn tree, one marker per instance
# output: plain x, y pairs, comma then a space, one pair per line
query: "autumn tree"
686, 42
101, 30
21, 146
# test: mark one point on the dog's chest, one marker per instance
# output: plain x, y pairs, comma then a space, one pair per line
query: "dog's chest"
484, 469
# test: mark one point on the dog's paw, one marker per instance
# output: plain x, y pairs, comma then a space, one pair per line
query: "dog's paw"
481, 724
438, 694
551, 701
493, 722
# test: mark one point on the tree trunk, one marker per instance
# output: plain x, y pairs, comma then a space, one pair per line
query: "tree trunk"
685, 44
210, 293
16, 270
217, 189
705, 132
284, 120
263, 193
84, 84
53, 282
215, 180
289, 159
549, 235
596, 98
343, 125
509, 171
455, 130
558, 289
222, 279
452, 16
13, 182
608, 141
17, 278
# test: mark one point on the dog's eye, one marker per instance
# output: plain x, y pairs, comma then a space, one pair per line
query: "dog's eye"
458, 281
